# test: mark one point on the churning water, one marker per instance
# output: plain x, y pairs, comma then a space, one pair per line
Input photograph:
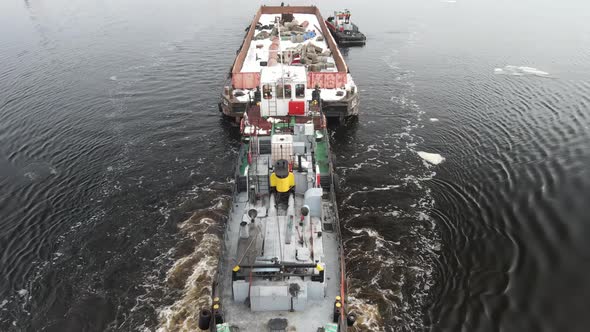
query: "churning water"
463, 183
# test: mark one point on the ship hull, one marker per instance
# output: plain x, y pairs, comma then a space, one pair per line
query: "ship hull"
337, 109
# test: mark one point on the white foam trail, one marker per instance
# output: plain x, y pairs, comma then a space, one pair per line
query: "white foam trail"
202, 267
31, 175
193, 274
368, 316
520, 71
433, 158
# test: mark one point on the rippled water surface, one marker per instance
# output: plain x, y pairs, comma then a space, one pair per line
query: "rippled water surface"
463, 183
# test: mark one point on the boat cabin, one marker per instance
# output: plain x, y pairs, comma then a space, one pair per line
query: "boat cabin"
341, 20
283, 91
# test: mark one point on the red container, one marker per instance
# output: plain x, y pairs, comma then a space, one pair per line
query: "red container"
296, 107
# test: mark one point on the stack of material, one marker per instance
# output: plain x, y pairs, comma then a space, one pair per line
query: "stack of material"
298, 32
262, 35
312, 56
273, 51
311, 48
292, 55
316, 59
294, 26
297, 38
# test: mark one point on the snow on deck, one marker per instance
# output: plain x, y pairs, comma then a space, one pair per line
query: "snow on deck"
251, 64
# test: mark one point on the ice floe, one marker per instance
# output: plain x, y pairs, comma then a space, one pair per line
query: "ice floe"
520, 71
433, 158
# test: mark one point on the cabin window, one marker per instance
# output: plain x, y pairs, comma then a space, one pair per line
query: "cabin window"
280, 91
266, 91
299, 90
283, 91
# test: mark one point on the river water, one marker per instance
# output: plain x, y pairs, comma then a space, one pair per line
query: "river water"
463, 183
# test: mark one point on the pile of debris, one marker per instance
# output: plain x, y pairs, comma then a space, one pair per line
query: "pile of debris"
289, 29
312, 56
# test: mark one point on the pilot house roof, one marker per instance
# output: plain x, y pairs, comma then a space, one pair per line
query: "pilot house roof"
291, 73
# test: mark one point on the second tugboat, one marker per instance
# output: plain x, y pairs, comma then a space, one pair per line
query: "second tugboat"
344, 31
282, 267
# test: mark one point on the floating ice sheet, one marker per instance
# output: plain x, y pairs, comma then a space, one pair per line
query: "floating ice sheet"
433, 158
520, 71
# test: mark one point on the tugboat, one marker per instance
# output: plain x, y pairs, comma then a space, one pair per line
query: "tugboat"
344, 31
305, 41
282, 264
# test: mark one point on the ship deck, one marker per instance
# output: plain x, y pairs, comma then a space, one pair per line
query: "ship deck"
317, 312
263, 125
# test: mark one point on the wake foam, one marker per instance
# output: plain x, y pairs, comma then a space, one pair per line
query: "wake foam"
368, 316
194, 273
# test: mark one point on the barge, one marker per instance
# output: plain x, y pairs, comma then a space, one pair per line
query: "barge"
295, 36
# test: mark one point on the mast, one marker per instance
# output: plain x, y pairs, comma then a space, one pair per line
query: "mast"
280, 50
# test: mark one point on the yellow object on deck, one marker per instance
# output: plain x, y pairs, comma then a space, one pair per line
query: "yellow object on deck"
282, 185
